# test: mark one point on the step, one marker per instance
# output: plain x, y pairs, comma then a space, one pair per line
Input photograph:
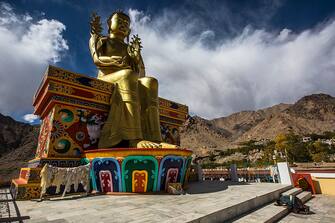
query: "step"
293, 191
31, 175
241, 208
22, 190
304, 196
24, 174
271, 212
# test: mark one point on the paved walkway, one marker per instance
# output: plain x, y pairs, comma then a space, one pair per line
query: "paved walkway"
202, 199
323, 207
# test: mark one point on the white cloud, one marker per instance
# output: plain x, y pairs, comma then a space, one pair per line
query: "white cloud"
253, 70
31, 118
27, 46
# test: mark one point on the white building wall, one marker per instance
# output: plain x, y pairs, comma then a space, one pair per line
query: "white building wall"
284, 173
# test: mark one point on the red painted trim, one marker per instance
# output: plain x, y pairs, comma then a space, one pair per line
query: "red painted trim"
331, 170
137, 149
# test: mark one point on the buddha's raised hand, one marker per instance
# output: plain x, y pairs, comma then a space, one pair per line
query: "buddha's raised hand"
95, 25
134, 48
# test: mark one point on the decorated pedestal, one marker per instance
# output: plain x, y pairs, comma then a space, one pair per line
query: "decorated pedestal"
137, 170
73, 109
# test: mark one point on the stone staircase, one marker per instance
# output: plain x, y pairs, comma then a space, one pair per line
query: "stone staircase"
272, 213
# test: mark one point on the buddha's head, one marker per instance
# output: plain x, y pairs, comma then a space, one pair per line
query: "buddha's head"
119, 24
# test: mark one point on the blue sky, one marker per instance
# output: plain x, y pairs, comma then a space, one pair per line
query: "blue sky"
226, 18
218, 57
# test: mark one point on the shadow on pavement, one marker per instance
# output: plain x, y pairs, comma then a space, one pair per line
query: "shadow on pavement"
210, 186
193, 188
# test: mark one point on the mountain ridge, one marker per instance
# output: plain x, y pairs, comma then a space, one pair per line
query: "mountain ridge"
310, 114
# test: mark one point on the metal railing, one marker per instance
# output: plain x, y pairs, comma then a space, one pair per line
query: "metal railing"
9, 211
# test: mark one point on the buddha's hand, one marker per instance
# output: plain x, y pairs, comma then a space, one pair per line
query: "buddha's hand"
134, 48
95, 25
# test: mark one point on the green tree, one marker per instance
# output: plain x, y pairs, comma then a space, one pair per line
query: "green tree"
297, 152
321, 156
319, 151
280, 141
211, 156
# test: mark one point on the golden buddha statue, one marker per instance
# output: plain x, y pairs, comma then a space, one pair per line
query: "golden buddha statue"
133, 120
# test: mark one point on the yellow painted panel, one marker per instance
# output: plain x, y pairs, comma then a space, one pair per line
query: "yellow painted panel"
325, 185
139, 181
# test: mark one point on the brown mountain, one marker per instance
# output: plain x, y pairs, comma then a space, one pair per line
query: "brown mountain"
311, 114
17, 145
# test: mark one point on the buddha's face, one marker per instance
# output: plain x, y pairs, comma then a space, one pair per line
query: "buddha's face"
119, 25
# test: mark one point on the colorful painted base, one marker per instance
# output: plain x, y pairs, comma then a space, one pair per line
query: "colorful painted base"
137, 170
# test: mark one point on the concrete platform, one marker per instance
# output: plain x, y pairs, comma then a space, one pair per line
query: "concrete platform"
204, 202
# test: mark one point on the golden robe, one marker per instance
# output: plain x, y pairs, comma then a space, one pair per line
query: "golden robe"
134, 113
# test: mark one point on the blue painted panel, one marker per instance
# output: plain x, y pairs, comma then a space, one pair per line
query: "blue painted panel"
166, 163
110, 164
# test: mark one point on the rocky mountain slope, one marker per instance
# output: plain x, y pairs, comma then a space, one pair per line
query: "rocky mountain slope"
311, 114
17, 145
